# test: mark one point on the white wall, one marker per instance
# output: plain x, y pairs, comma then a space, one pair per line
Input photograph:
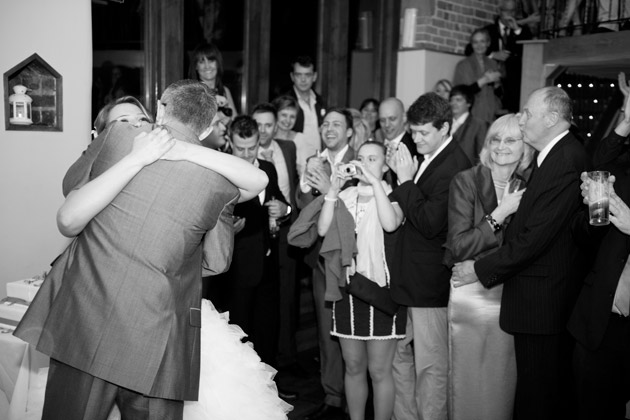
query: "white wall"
32, 163
418, 70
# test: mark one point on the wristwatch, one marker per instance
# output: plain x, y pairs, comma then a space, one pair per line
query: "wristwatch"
495, 225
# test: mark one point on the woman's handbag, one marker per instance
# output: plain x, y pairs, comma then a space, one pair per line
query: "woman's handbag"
371, 293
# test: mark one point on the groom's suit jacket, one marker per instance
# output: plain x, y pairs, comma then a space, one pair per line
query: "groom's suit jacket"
122, 303
539, 261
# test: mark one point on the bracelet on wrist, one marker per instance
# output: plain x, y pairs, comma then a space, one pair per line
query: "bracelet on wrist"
332, 200
496, 226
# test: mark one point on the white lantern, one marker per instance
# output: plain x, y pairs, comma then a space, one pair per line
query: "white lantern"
20, 106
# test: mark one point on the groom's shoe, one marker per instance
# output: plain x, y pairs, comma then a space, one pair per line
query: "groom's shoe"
287, 394
326, 412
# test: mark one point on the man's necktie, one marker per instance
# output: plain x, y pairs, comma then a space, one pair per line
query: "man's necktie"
621, 303
504, 38
534, 167
391, 149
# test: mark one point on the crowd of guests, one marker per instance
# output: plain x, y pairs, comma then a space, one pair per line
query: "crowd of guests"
453, 269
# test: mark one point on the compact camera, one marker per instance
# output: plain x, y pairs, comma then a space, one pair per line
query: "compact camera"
349, 169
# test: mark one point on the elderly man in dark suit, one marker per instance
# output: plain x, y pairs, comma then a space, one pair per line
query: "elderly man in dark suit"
119, 312
600, 321
418, 278
539, 262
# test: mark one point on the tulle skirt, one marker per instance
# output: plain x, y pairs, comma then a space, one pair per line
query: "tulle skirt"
234, 383
482, 366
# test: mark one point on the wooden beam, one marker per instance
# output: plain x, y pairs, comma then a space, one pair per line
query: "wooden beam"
256, 40
532, 76
332, 45
386, 29
163, 47
151, 54
588, 49
172, 42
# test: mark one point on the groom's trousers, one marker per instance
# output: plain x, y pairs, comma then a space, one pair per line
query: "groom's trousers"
72, 394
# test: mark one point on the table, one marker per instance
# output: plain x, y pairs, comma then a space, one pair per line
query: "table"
23, 374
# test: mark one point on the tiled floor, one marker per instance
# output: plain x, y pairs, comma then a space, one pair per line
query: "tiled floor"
307, 384
309, 388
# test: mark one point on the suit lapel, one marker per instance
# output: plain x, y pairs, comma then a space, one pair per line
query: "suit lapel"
485, 186
537, 182
291, 168
554, 150
439, 159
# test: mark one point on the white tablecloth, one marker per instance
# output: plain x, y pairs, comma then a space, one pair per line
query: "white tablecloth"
23, 374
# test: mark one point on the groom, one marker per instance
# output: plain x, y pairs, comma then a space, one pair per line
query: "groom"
119, 313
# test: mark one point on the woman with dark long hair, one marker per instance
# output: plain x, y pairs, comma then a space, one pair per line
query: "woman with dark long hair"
206, 64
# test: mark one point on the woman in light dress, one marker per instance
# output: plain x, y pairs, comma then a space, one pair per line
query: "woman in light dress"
367, 335
482, 367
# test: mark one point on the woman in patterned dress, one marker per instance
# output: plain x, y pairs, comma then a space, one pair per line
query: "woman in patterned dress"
367, 335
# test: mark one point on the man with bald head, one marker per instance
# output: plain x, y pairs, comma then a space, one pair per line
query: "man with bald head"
539, 261
393, 121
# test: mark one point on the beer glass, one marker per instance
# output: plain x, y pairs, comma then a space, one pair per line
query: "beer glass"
598, 198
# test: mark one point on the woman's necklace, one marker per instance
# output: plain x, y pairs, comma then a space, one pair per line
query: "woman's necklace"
499, 184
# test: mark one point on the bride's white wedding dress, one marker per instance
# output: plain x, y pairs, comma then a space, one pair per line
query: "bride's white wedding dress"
234, 383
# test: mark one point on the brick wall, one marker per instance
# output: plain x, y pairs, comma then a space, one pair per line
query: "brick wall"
447, 25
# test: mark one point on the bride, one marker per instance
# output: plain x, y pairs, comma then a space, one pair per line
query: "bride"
234, 383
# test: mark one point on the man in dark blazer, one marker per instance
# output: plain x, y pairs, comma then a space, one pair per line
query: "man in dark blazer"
252, 281
505, 33
282, 154
539, 262
393, 122
419, 280
468, 131
336, 131
601, 358
119, 314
